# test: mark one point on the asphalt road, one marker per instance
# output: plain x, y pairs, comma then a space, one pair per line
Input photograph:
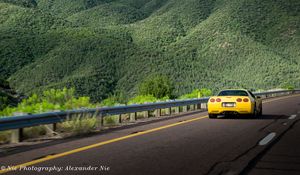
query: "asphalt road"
190, 144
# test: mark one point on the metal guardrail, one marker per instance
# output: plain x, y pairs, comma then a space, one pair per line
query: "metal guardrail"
17, 123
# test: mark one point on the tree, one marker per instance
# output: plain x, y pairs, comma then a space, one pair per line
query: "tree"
3, 102
158, 86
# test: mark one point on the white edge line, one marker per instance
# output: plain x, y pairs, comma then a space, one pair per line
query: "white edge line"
267, 139
292, 117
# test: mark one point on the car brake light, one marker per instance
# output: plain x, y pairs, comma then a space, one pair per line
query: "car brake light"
239, 100
245, 99
218, 100
212, 100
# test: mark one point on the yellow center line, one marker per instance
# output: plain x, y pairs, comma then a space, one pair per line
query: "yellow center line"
51, 157
16, 167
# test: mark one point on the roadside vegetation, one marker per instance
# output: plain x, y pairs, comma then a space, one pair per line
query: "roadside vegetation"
50, 100
197, 93
153, 89
80, 125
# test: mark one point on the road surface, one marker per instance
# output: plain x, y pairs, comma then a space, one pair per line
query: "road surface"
190, 144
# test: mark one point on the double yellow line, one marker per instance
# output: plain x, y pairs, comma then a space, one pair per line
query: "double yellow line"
16, 167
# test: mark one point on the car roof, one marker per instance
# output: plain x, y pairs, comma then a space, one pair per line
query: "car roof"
235, 90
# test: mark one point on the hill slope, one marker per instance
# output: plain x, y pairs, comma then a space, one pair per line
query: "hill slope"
107, 46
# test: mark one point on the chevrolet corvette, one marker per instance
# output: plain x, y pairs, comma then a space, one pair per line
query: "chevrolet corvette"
234, 102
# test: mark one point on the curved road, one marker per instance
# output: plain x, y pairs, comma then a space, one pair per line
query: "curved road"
189, 144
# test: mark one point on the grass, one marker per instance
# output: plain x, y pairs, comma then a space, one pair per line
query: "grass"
80, 125
112, 120
5, 137
34, 132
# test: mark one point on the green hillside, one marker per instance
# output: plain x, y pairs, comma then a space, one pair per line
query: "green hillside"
102, 47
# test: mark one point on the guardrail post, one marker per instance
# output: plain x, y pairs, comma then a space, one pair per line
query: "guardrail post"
198, 106
184, 108
168, 111
100, 121
146, 114
50, 129
133, 117
157, 112
203, 106
192, 107
120, 118
16, 135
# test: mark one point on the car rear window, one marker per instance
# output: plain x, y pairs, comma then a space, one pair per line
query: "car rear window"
233, 93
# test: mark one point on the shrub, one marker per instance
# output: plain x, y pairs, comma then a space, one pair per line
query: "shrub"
57, 96
205, 92
110, 101
33, 132
197, 93
110, 120
289, 87
143, 99
50, 100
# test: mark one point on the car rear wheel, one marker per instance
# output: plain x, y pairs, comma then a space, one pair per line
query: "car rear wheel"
260, 111
212, 116
255, 112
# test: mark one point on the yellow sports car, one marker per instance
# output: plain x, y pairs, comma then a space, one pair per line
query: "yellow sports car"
234, 102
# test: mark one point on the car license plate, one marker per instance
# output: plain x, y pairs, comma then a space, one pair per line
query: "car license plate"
228, 104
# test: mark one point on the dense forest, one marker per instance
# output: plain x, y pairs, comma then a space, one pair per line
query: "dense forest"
106, 47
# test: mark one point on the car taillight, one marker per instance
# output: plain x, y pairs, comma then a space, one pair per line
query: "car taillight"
239, 100
245, 99
212, 100
218, 100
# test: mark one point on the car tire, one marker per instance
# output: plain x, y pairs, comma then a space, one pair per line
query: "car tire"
260, 111
255, 113
212, 116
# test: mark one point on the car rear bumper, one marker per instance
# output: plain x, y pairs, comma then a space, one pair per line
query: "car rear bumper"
223, 110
